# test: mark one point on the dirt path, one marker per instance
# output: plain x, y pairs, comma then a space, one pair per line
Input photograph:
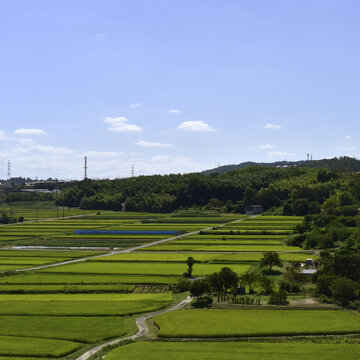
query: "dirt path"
140, 323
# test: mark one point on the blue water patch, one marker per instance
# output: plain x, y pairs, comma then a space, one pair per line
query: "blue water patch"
127, 232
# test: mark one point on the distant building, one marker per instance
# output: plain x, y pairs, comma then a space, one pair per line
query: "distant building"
254, 209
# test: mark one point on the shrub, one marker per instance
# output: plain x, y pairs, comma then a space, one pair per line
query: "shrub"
202, 302
289, 286
278, 298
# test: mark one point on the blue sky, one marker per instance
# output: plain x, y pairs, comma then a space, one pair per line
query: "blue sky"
175, 86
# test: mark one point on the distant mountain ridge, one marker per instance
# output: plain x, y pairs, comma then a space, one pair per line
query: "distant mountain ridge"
343, 163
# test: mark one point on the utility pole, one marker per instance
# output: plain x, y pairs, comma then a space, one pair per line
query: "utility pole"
132, 171
9, 170
85, 168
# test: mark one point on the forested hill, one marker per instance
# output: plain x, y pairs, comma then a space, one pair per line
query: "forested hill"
292, 190
345, 164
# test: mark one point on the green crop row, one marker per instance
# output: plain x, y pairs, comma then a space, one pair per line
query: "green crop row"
32, 347
83, 279
76, 328
237, 323
224, 247
136, 268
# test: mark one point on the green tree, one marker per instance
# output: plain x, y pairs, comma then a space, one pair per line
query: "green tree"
344, 290
198, 288
271, 259
190, 263
228, 279
250, 278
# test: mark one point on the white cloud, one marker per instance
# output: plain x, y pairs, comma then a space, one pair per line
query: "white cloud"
101, 35
347, 137
29, 146
2, 135
103, 154
272, 126
174, 111
29, 132
136, 105
266, 147
195, 126
280, 154
347, 148
121, 124
161, 159
153, 144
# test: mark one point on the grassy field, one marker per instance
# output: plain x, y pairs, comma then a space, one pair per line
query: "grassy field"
234, 350
237, 323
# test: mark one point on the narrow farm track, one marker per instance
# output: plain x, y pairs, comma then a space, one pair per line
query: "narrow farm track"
140, 323
126, 251
50, 219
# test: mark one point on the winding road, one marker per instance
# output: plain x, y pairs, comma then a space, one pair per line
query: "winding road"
140, 323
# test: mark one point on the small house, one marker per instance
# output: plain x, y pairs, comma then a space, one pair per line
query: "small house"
254, 209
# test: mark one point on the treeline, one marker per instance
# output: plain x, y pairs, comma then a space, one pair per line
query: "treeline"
292, 191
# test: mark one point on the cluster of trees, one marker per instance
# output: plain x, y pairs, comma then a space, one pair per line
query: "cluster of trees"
296, 191
226, 281
6, 219
338, 279
325, 231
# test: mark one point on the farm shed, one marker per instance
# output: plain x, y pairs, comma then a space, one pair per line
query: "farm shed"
254, 209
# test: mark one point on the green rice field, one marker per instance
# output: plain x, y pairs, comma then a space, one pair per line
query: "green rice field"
221, 248
143, 268
13, 346
242, 323
234, 350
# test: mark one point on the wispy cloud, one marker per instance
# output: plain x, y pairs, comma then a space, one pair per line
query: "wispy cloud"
347, 137
2, 135
195, 126
153, 144
121, 124
29, 132
266, 147
174, 111
101, 35
272, 126
280, 154
347, 148
29, 145
103, 154
136, 105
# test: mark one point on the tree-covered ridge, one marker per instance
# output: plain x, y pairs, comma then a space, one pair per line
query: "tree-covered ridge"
343, 163
292, 190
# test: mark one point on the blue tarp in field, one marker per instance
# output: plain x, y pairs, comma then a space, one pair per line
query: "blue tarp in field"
127, 232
